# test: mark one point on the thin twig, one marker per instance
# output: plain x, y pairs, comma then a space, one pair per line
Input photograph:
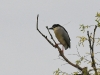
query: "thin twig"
51, 35
78, 52
93, 69
74, 54
91, 25
97, 52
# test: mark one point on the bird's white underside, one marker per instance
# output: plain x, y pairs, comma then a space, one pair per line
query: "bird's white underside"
59, 36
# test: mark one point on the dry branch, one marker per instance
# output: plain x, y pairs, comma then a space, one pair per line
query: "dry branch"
43, 34
56, 46
91, 45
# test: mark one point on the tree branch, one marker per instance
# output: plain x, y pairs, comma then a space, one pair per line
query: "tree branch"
42, 33
51, 35
56, 46
93, 69
92, 49
94, 37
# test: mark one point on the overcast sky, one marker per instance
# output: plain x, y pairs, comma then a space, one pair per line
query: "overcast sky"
23, 51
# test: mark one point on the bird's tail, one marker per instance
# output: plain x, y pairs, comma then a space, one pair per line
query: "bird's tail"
66, 47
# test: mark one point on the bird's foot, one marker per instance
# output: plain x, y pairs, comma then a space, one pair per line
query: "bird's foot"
56, 45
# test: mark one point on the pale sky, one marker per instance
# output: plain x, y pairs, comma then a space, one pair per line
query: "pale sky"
23, 51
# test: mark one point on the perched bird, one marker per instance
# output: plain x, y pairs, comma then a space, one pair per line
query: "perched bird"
62, 35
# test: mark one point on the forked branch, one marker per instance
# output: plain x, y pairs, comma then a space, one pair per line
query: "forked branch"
56, 46
42, 33
91, 45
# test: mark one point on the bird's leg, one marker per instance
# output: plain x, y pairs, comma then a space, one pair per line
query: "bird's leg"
61, 51
62, 48
59, 43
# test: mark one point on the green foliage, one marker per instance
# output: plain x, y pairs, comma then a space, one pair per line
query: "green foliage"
82, 40
83, 27
98, 42
75, 73
78, 62
59, 72
98, 19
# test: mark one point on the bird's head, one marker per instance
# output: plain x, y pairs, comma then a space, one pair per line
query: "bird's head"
55, 26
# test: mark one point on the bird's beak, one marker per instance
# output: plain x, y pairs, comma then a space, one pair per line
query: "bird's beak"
51, 28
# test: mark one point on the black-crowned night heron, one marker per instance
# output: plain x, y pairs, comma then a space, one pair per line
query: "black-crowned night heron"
62, 35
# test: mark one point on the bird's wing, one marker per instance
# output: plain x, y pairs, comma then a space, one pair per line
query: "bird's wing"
66, 32
66, 38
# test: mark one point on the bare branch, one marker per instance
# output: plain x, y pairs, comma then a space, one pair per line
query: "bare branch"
92, 49
94, 37
51, 35
59, 49
89, 39
43, 34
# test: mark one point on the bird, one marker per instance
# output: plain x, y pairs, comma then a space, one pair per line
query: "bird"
62, 35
